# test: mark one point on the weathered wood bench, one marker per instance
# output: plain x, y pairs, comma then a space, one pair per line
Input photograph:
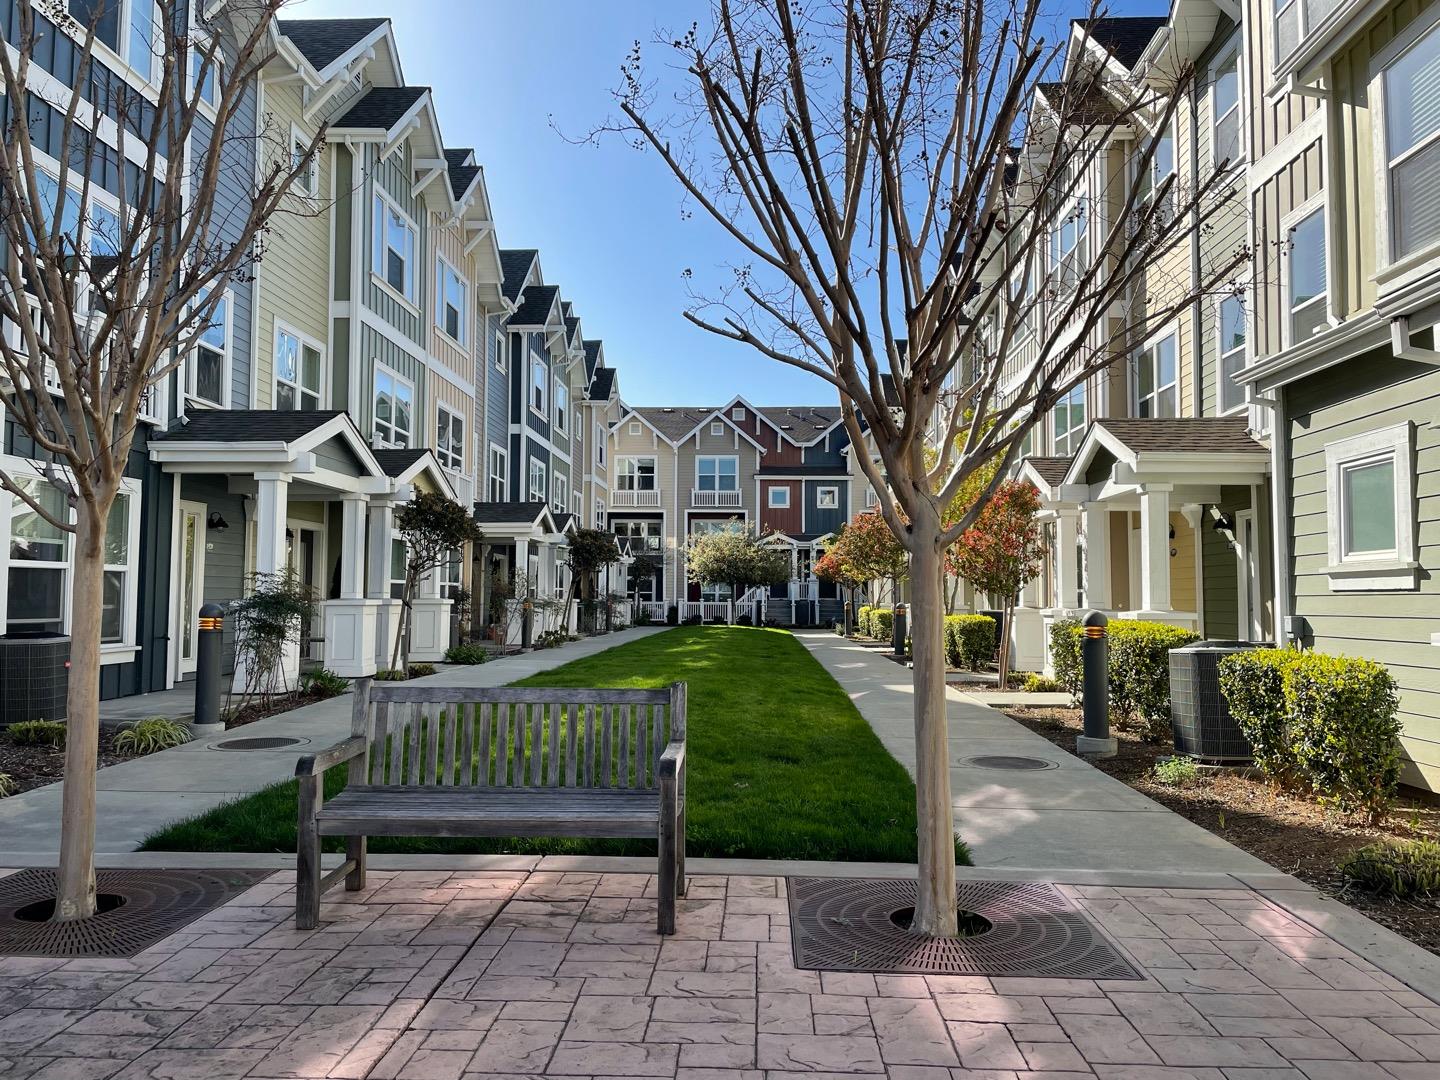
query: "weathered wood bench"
498, 761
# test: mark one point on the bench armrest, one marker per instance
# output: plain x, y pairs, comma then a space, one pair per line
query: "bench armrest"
672, 761
316, 763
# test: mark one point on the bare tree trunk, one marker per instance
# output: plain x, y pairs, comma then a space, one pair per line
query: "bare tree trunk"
75, 882
935, 896
1007, 616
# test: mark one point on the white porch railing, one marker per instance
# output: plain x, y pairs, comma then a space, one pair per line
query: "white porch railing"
708, 610
634, 498
714, 498
654, 608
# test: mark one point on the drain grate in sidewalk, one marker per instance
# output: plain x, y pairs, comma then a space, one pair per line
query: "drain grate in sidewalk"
1017, 929
137, 908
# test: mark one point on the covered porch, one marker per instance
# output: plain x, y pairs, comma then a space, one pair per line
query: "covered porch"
520, 558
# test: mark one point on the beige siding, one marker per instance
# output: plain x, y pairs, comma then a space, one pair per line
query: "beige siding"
458, 400
1270, 117
449, 243
1291, 187
646, 444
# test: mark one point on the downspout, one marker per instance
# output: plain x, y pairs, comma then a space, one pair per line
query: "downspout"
1197, 346
1279, 512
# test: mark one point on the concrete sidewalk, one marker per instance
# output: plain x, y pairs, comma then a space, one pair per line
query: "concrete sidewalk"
1068, 815
137, 798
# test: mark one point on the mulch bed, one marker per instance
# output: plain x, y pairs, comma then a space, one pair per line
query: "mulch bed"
36, 766
1290, 832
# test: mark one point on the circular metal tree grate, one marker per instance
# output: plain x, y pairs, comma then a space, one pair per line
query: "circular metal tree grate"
138, 908
258, 742
851, 924
1009, 762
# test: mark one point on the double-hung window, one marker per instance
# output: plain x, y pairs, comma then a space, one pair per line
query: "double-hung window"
562, 404
499, 474
1370, 492
539, 385
450, 438
1305, 291
636, 474
1160, 168
394, 410
599, 513
1067, 245
1411, 151
717, 473
599, 444
1225, 110
500, 351
450, 301
299, 364
1232, 351
209, 374
560, 495
1067, 420
537, 480
1156, 379
307, 181
395, 246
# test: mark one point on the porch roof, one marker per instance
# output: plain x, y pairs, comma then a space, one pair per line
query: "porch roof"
1046, 473
515, 520
403, 466
1198, 452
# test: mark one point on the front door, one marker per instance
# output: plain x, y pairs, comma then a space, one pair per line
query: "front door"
304, 557
190, 593
1247, 551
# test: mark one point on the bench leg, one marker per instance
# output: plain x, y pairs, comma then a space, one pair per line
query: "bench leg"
355, 852
669, 823
307, 859
680, 851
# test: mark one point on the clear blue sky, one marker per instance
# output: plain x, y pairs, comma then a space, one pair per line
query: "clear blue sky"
607, 220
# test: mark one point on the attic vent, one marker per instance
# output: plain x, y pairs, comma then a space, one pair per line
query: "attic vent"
737, 414
667, 410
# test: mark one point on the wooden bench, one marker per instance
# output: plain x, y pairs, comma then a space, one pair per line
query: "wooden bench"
498, 761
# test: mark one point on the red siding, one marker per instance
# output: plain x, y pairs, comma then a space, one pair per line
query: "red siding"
791, 520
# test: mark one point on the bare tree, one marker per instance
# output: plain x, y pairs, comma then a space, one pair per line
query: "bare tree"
118, 252
892, 174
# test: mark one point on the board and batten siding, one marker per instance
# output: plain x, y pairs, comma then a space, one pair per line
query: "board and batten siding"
1268, 119
392, 176
294, 278
377, 349
444, 390
1291, 187
1393, 627
449, 244
497, 387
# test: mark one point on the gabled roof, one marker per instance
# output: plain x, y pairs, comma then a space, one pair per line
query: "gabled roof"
1076, 103
1200, 434
536, 306
1050, 469
403, 466
381, 108
514, 518
515, 263
276, 435
463, 171
1123, 38
323, 41
675, 422
602, 384
572, 325
592, 356
801, 423
395, 462
248, 425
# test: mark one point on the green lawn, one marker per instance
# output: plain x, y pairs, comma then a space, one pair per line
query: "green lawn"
781, 765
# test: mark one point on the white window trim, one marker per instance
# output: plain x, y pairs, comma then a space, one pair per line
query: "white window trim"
1074, 435
1221, 353
312, 189
1235, 52
500, 344
599, 513
441, 264
191, 396
400, 380
737, 413
1421, 262
1172, 330
412, 305
599, 443
561, 407
635, 428
544, 410
1314, 204
820, 493
543, 494
783, 504
282, 327
718, 457
717, 427
1394, 571
559, 492
503, 473
455, 414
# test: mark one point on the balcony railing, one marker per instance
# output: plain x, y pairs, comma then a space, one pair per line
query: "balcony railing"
714, 498
649, 497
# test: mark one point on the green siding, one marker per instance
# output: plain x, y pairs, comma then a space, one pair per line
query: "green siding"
375, 348
392, 175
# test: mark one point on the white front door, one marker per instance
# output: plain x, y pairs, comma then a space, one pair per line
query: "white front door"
190, 582
1247, 551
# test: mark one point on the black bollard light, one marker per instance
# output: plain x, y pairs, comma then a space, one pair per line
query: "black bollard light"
209, 639
1095, 660
897, 632
527, 614
849, 624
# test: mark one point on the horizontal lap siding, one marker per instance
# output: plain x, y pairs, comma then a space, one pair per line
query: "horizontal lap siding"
1395, 628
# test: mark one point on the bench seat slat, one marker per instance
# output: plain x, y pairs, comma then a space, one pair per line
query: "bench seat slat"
408, 811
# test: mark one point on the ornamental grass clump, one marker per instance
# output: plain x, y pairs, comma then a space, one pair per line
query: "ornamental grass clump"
1404, 870
37, 733
152, 735
8, 786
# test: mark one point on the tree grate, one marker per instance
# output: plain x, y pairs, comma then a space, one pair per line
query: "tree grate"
152, 904
849, 924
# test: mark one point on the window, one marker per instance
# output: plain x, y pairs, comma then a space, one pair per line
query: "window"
537, 480
737, 413
708, 526
450, 301
394, 255
141, 53
560, 495
636, 474
871, 499
104, 14
499, 474
1305, 277
562, 404
1411, 106
1155, 379
117, 584
599, 514
307, 182
394, 409
778, 498
298, 370
643, 535
1160, 168
210, 362
205, 62
539, 385
1232, 352
717, 473
1297, 20
1067, 420
599, 443
1225, 110
717, 428
500, 351
635, 428
452, 574
450, 438
579, 504
827, 498
397, 568
1370, 513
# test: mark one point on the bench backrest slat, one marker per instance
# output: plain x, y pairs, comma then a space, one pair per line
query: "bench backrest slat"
514, 736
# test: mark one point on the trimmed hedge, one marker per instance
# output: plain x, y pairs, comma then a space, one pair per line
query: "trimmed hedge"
1328, 722
875, 622
1139, 668
969, 641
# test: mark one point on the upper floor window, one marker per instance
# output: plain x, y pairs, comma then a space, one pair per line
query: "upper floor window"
1067, 245
778, 498
394, 256
1232, 352
394, 409
1159, 169
599, 443
450, 301
562, 404
1068, 421
599, 514
1295, 20
499, 475
209, 375
1305, 295
636, 474
136, 42
1225, 110
717, 473
537, 480
1157, 379
500, 351
539, 385
450, 438
737, 413
560, 497
827, 498
717, 428
307, 182
1411, 93
298, 370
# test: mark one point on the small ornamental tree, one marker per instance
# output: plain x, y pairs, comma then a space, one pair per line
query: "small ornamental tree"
590, 551
735, 557
432, 526
868, 551
833, 569
1002, 551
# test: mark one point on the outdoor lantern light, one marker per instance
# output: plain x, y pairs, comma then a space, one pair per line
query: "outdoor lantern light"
216, 522
1222, 522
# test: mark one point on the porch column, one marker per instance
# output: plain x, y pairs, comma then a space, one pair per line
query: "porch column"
270, 509
1067, 537
352, 546
351, 621
1155, 547
521, 572
382, 529
1097, 556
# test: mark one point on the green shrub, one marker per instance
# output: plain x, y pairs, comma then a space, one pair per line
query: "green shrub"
323, 683
8, 786
419, 671
1333, 725
862, 620
37, 733
1403, 870
642, 617
969, 640
1177, 771
149, 736
1139, 667
1035, 683
466, 653
1065, 638
882, 624
390, 675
